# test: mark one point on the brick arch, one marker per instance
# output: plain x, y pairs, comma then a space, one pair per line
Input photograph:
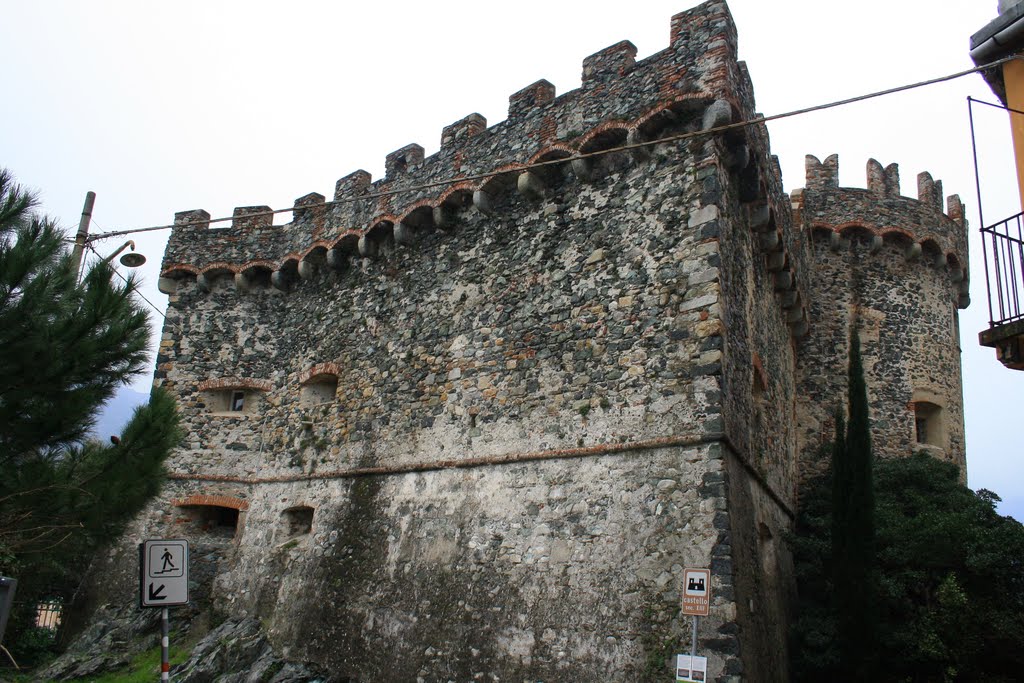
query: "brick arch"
501, 178
898, 236
461, 188
239, 504
819, 230
325, 245
552, 153
320, 369
382, 218
218, 268
417, 205
235, 383
852, 231
347, 241
259, 263
604, 136
290, 260
665, 113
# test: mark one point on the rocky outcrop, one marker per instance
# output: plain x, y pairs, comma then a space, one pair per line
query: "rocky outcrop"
238, 652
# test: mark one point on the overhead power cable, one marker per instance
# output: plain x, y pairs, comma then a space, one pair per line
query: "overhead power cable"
136, 290
587, 155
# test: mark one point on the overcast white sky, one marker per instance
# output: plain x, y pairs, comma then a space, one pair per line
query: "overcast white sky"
163, 107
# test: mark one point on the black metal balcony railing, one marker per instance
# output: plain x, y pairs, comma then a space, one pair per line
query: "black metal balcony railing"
1003, 247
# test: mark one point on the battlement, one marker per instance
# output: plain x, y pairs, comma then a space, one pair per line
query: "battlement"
883, 182
694, 83
922, 227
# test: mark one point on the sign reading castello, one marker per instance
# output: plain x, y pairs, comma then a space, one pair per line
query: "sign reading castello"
696, 592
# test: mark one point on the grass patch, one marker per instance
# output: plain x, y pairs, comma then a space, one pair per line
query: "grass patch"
145, 666
13, 676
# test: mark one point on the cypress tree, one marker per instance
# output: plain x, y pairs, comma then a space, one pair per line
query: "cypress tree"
853, 527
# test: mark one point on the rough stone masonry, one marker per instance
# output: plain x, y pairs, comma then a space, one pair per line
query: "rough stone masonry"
456, 426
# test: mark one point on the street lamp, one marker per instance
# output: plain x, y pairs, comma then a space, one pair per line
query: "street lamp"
130, 260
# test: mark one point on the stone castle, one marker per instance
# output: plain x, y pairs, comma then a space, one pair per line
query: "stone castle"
470, 421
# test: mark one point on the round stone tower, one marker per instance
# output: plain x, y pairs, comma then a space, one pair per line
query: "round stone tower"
896, 268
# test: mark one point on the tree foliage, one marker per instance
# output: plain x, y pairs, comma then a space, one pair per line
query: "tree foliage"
65, 348
903, 573
950, 590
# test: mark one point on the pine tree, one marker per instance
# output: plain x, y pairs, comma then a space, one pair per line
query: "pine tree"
65, 348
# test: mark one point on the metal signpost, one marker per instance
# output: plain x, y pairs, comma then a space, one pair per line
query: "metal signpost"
696, 602
163, 583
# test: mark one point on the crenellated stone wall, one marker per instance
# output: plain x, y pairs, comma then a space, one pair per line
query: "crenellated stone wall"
471, 421
895, 267
619, 100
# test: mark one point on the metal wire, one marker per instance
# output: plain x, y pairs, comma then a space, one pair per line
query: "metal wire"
138, 292
587, 155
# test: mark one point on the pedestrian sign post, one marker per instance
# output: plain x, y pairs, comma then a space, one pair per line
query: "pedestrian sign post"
164, 573
163, 582
697, 592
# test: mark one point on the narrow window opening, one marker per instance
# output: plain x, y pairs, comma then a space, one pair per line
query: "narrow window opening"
233, 401
760, 380
928, 426
921, 429
767, 548
757, 390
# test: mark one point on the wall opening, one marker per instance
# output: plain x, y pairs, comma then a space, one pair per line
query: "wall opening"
218, 520
928, 424
759, 384
318, 390
229, 401
49, 613
767, 550
297, 521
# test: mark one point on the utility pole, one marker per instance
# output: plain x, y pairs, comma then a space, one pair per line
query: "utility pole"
83, 232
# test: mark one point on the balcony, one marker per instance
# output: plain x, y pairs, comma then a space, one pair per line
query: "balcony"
1003, 247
